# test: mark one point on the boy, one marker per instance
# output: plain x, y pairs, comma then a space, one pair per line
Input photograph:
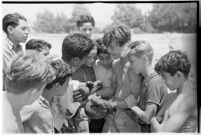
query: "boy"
39, 117
180, 107
153, 89
103, 71
75, 50
39, 45
26, 78
16, 29
124, 82
85, 24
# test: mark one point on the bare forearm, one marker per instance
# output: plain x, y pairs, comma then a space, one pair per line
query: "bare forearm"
141, 114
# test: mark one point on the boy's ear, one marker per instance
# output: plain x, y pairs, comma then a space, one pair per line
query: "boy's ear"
179, 74
10, 29
76, 60
145, 58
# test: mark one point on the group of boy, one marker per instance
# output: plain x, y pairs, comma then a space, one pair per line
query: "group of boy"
47, 94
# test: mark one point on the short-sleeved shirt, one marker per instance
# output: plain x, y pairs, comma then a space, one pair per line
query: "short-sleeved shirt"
103, 74
153, 91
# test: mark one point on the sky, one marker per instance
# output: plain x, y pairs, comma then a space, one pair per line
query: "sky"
101, 12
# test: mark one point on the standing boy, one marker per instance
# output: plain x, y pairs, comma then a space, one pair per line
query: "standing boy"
124, 81
153, 89
179, 107
26, 78
16, 28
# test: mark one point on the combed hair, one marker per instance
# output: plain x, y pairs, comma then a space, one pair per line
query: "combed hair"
62, 72
27, 70
85, 18
76, 45
142, 48
121, 34
174, 61
37, 44
12, 20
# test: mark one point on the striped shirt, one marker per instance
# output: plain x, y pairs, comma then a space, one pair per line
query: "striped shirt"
9, 51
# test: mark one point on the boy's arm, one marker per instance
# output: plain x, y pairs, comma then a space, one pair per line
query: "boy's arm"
106, 92
177, 120
146, 115
155, 94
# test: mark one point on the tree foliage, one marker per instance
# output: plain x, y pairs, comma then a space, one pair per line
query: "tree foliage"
180, 17
127, 14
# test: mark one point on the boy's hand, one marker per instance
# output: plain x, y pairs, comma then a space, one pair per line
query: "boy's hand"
110, 104
81, 94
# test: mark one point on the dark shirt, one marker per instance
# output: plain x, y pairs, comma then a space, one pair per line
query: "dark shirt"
153, 91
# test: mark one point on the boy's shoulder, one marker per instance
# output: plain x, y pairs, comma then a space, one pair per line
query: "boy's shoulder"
189, 102
153, 79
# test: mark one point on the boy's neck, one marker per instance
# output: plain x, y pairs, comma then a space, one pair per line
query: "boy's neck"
15, 102
48, 95
185, 87
148, 70
12, 39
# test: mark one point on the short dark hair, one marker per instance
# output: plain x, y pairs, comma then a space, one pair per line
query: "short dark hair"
12, 20
101, 48
174, 61
121, 34
37, 44
76, 45
84, 18
62, 72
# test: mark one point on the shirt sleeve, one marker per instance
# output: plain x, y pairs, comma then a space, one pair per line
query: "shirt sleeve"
156, 92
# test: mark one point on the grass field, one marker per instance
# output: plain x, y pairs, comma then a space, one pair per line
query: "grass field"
162, 43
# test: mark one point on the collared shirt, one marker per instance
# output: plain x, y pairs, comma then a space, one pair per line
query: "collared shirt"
40, 117
9, 50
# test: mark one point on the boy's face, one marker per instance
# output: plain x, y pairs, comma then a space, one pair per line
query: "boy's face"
106, 59
86, 29
45, 51
63, 88
170, 81
91, 58
115, 49
137, 63
20, 32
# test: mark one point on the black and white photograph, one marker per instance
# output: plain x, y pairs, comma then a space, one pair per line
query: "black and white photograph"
99, 66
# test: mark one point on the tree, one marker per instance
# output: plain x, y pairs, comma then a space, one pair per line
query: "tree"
127, 14
44, 21
78, 9
49, 23
180, 17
